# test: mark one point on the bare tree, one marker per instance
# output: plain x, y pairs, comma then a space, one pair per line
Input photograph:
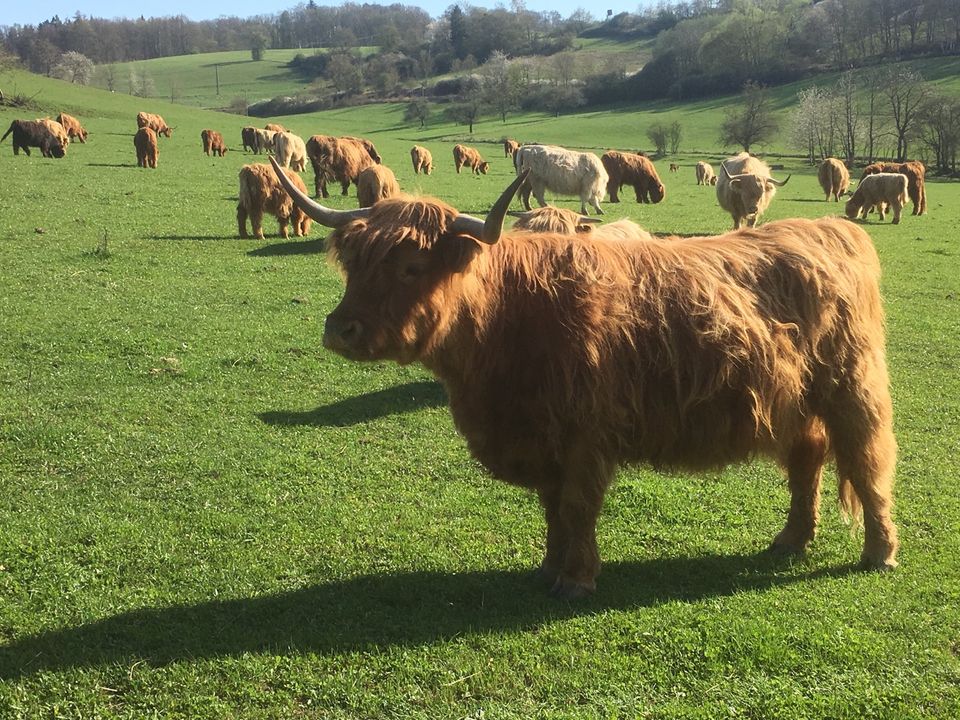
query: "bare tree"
74, 67
501, 84
906, 93
850, 120
752, 121
939, 129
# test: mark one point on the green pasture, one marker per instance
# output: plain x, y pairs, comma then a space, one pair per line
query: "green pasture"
205, 515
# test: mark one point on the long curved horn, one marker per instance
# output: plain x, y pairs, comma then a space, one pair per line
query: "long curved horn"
316, 211
588, 219
488, 231
781, 183
723, 165
519, 213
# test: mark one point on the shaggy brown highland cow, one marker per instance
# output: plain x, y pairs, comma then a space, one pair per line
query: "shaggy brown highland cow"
564, 358
635, 170
463, 155
422, 160
510, 147
339, 160
916, 180
376, 183
248, 136
148, 151
567, 222
213, 143
73, 127
261, 192
155, 123
834, 178
35, 133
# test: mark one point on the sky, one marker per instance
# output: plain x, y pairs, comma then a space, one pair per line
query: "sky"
27, 13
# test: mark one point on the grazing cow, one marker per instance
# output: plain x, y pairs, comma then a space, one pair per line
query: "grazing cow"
155, 123
376, 183
366, 145
265, 140
510, 147
422, 160
745, 188
290, 150
674, 167
213, 142
56, 129
705, 174
147, 146
568, 222
877, 192
260, 193
35, 133
249, 137
274, 127
551, 219
73, 127
337, 159
834, 178
561, 171
463, 155
636, 170
916, 175
564, 358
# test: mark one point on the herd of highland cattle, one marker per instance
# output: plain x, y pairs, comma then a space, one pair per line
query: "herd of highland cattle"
569, 347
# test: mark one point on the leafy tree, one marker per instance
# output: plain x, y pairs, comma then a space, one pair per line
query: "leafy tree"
458, 33
345, 73
675, 133
751, 121
74, 67
466, 112
417, 110
258, 43
657, 133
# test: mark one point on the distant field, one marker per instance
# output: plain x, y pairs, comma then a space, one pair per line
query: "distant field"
205, 515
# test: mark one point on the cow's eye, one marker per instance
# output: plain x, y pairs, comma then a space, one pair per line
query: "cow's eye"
411, 271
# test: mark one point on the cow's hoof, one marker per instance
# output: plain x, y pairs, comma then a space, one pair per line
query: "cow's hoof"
567, 589
780, 549
880, 566
546, 575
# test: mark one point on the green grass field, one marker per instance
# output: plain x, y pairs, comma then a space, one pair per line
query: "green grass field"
206, 515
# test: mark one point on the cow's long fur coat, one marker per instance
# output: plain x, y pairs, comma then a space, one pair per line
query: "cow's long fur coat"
565, 357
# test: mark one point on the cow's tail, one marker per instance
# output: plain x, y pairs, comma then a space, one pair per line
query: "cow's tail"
850, 506
9, 130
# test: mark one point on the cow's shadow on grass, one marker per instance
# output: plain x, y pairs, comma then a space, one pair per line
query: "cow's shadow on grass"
113, 165
364, 408
191, 237
406, 609
296, 247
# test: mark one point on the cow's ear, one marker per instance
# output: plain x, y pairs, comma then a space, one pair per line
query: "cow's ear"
456, 252
584, 228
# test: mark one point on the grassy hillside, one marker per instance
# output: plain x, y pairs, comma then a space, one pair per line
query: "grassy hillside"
206, 515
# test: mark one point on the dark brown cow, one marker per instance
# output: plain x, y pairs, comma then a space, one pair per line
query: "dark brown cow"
463, 155
35, 133
566, 357
148, 151
916, 174
338, 159
73, 127
635, 170
213, 142
248, 136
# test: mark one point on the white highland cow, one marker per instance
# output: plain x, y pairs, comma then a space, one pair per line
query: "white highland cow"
561, 171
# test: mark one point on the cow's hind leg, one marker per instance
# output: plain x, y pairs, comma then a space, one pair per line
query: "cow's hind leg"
860, 425
804, 466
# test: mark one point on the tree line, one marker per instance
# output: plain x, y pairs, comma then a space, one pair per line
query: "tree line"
466, 34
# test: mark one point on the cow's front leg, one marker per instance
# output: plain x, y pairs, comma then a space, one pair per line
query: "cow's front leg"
572, 512
553, 556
